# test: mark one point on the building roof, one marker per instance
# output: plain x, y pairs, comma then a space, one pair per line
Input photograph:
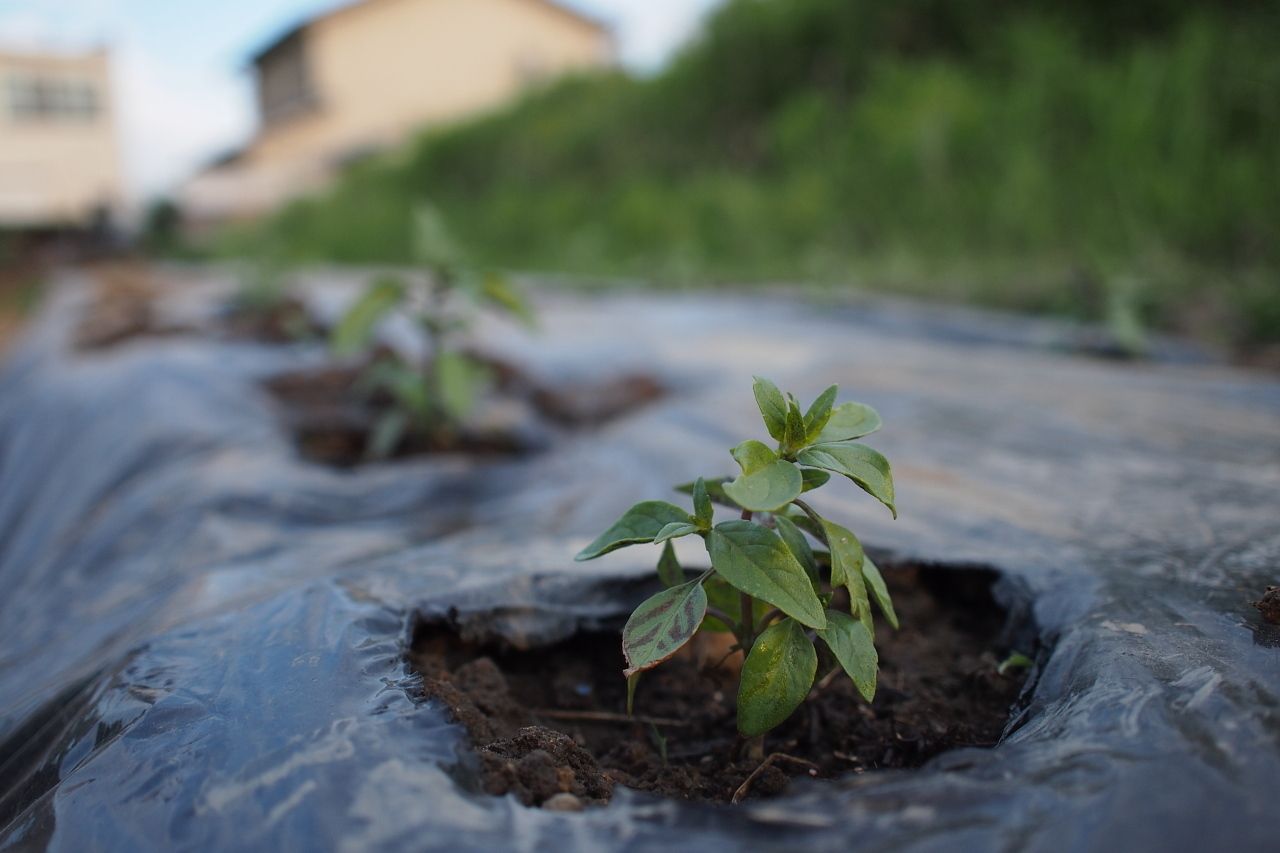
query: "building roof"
343, 7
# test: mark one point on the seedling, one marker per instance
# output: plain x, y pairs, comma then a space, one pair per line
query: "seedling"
768, 584
431, 399
263, 299
1015, 660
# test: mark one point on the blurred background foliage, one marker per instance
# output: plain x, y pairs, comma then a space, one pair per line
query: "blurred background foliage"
1080, 157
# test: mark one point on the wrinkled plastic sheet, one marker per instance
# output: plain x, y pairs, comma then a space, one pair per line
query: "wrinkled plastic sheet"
202, 637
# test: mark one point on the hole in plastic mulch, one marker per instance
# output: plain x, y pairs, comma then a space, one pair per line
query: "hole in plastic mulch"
549, 724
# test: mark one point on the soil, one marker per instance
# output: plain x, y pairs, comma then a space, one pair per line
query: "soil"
1269, 605
123, 307
282, 322
550, 727
332, 420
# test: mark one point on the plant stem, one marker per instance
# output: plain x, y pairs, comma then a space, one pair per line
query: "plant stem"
729, 621
815, 518
435, 327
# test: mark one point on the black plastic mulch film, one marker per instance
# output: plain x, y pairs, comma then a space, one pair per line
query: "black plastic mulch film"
202, 637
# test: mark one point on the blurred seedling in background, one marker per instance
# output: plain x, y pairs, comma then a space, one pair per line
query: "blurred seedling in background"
430, 399
780, 573
264, 302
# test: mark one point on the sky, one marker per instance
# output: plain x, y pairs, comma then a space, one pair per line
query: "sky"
182, 88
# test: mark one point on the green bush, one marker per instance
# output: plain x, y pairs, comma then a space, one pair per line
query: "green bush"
992, 152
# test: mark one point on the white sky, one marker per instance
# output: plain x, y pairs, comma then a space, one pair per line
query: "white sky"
183, 95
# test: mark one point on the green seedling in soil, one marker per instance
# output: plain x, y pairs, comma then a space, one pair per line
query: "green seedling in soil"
661, 740
431, 399
263, 297
1015, 660
777, 570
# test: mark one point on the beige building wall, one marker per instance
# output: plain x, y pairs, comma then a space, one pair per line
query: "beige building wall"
379, 69
59, 163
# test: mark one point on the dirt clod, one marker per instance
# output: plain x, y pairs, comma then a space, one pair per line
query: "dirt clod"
538, 763
595, 403
1269, 605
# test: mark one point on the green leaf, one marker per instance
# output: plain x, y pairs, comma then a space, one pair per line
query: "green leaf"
799, 547
753, 455
881, 592
776, 677
640, 524
813, 478
715, 491
406, 384
846, 553
858, 600
459, 380
795, 426
669, 569
662, 624
498, 290
675, 530
847, 558
1015, 660
849, 420
775, 485
386, 435
852, 644
355, 330
811, 524
819, 413
431, 243
702, 509
859, 463
723, 596
755, 560
773, 407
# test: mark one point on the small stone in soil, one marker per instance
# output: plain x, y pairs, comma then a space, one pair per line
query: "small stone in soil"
563, 803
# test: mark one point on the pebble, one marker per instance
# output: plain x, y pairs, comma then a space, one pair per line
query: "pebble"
563, 803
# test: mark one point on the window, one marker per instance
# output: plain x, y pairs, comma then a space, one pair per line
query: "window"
284, 88
35, 97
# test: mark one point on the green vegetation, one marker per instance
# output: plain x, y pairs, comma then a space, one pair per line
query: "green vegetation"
1115, 162
767, 584
431, 400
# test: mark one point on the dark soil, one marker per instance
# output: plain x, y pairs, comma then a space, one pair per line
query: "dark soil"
123, 307
550, 726
1269, 605
281, 322
332, 419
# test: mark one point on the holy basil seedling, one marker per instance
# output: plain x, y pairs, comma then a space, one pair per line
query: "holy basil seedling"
768, 584
431, 398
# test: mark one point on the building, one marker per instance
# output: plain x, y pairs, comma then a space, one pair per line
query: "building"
59, 163
364, 77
